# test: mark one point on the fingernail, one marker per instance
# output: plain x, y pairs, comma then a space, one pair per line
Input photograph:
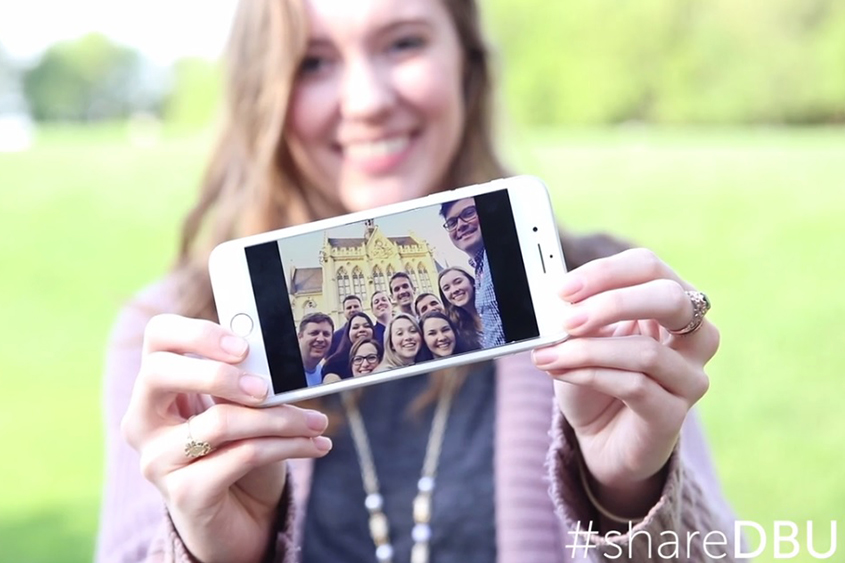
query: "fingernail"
322, 443
544, 356
234, 345
253, 386
571, 286
316, 420
575, 320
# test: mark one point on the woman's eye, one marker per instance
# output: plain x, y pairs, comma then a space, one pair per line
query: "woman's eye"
407, 42
312, 64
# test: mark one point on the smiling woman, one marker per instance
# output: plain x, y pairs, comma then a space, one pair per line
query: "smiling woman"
379, 101
339, 106
403, 343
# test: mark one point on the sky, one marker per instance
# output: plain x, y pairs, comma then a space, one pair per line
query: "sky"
163, 30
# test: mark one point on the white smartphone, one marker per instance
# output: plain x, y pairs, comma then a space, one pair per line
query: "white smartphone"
448, 279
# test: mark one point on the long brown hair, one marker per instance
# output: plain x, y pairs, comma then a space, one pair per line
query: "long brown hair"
465, 322
251, 184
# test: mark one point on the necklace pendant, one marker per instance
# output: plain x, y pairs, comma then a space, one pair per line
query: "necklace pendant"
419, 553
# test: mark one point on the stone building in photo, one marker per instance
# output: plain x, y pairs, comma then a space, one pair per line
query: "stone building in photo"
360, 266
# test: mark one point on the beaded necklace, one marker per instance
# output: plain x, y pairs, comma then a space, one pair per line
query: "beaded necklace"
379, 525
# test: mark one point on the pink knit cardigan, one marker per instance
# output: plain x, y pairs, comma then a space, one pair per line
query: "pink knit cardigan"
539, 496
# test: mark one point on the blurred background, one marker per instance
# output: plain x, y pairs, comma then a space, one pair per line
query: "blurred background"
708, 130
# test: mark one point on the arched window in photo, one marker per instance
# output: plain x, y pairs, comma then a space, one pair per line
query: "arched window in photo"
379, 280
390, 272
343, 288
412, 274
425, 282
359, 287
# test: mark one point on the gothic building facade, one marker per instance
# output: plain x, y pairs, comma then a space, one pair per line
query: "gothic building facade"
360, 266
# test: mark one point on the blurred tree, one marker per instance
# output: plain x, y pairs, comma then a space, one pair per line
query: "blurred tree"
85, 79
672, 61
195, 94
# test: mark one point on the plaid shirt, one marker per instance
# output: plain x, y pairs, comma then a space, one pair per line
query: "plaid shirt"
485, 302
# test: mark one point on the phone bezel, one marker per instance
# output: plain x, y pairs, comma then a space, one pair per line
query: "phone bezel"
543, 261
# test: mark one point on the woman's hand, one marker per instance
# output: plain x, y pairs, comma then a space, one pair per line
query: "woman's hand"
623, 381
224, 504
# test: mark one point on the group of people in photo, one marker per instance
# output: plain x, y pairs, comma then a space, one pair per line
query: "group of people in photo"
408, 327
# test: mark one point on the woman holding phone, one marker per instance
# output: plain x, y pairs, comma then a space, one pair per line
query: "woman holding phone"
343, 106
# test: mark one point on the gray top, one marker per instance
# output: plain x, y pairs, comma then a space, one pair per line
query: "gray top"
463, 518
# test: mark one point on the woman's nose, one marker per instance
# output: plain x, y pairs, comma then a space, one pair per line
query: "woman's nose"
367, 91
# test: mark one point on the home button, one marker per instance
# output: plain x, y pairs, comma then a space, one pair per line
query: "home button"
241, 324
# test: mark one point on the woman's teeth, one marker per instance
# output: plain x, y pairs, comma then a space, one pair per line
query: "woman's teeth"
383, 147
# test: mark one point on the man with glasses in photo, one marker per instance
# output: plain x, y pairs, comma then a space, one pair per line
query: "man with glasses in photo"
465, 232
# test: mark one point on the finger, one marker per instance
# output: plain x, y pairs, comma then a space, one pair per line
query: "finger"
165, 373
637, 391
214, 474
662, 300
224, 424
174, 333
700, 345
631, 267
640, 354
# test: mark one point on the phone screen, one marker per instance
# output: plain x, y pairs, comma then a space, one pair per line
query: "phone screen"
391, 292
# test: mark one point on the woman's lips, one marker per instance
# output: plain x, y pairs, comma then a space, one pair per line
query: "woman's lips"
377, 156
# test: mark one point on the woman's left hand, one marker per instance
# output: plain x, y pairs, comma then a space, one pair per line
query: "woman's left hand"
623, 381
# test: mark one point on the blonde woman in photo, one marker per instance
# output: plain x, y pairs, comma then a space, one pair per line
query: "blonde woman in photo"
403, 343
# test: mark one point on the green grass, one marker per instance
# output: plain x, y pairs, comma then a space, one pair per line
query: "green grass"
753, 217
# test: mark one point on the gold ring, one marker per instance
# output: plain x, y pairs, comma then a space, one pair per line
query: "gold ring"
195, 448
700, 306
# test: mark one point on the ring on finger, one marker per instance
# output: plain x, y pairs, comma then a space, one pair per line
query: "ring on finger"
700, 306
195, 448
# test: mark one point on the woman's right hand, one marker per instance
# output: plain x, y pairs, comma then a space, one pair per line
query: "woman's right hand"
224, 505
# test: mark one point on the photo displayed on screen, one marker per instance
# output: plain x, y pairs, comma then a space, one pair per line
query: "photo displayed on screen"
393, 291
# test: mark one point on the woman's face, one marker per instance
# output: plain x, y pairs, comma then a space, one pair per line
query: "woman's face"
439, 337
377, 109
457, 288
365, 360
359, 328
405, 339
